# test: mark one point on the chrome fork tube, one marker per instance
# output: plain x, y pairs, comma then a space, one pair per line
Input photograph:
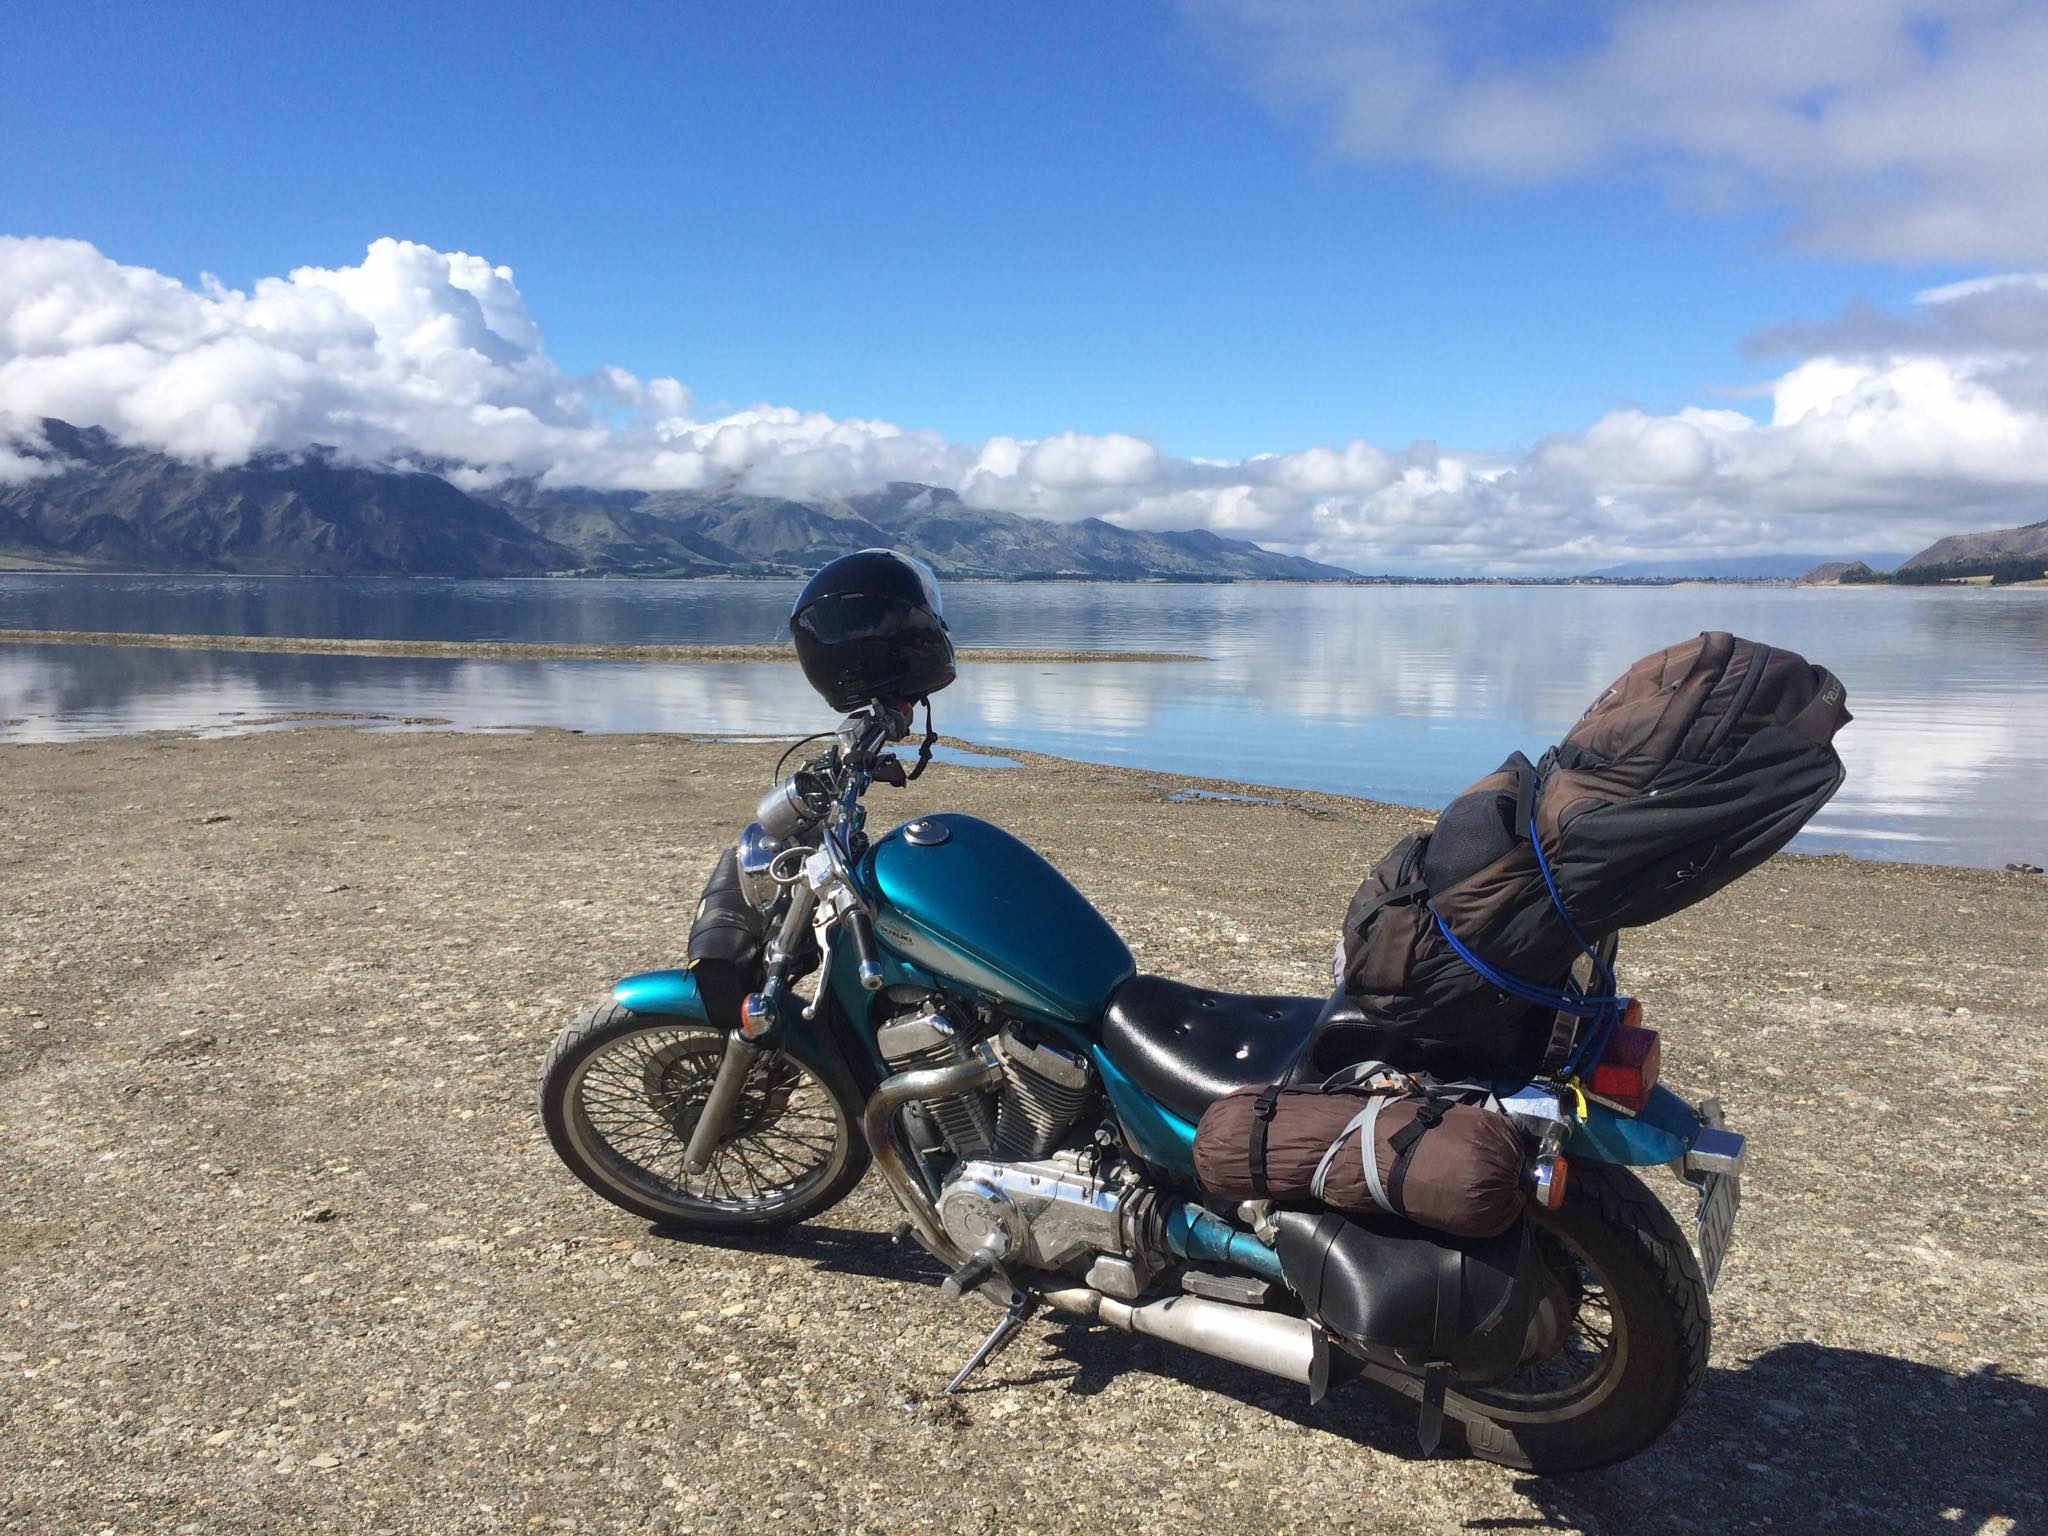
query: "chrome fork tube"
733, 1067
878, 1126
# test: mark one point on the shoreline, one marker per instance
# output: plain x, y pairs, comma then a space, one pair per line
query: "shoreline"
23, 566
1164, 785
521, 650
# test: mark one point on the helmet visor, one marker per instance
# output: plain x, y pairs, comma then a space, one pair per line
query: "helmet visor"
850, 617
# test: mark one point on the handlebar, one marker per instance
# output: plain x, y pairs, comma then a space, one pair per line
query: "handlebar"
861, 929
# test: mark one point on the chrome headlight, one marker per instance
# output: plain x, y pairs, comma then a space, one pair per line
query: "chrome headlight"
757, 852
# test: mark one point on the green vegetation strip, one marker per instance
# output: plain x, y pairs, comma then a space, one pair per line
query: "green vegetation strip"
513, 650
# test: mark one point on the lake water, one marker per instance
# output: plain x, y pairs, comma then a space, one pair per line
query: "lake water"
1401, 694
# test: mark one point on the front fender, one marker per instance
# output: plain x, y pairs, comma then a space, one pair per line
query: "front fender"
673, 995
664, 994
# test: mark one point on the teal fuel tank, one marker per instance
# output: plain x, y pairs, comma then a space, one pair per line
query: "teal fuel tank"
975, 907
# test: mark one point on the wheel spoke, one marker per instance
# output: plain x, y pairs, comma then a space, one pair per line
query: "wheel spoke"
640, 1098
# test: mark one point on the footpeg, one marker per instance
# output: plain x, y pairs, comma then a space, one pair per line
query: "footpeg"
979, 1266
1003, 1332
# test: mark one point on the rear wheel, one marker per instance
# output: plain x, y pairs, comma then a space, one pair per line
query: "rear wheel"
1620, 1340
620, 1094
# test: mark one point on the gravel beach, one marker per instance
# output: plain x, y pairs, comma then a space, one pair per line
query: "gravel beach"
282, 1247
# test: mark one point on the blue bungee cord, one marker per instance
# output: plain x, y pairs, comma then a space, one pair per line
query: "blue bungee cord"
1602, 1007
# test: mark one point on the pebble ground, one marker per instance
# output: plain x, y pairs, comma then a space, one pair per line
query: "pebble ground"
282, 1248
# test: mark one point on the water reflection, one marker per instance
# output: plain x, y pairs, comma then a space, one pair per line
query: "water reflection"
1398, 694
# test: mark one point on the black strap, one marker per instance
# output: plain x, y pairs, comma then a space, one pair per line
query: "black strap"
1262, 1116
1404, 1142
1525, 799
1318, 1366
1388, 898
924, 748
1564, 1034
1436, 1375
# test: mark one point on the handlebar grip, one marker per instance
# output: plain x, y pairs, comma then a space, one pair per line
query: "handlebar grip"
862, 932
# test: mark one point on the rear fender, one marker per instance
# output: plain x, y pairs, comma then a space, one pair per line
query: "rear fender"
1663, 1132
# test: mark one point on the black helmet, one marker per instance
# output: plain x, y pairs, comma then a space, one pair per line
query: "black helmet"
868, 626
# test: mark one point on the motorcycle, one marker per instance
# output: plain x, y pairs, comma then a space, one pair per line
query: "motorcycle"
978, 1035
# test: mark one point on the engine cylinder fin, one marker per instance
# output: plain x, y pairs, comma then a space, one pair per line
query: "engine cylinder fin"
1034, 1113
1044, 1091
929, 1039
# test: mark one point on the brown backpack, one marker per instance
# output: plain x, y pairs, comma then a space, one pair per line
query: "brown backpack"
1698, 764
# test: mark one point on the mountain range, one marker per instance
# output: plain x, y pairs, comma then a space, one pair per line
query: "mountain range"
1755, 567
112, 507
108, 506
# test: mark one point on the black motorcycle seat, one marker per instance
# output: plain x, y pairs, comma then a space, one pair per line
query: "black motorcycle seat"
1187, 1046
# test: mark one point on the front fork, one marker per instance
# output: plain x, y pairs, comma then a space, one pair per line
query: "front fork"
734, 1067
761, 1025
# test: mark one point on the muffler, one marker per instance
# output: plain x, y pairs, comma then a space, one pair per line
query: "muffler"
1266, 1341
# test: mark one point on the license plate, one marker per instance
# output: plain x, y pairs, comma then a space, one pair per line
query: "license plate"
1714, 1223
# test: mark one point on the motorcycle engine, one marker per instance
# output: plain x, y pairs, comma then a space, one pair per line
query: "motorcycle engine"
1019, 1188
1044, 1089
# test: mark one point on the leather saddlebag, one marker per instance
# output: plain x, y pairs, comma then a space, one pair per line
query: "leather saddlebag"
727, 943
1453, 1167
1453, 1310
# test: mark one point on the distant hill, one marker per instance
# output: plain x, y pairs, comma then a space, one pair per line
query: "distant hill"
2006, 553
695, 531
1759, 567
2002, 555
1834, 572
116, 507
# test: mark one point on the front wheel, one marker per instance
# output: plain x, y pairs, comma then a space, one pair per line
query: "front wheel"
1618, 1348
620, 1093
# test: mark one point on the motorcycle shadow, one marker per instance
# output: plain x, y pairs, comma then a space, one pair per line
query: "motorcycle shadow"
832, 1250
1084, 1357
1806, 1436
1803, 1435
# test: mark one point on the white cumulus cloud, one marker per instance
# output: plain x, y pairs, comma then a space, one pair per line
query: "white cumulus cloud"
1884, 429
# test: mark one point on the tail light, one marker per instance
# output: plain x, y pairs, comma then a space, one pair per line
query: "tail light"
1627, 1069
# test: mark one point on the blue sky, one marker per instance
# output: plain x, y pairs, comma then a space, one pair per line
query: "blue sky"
1223, 228
955, 220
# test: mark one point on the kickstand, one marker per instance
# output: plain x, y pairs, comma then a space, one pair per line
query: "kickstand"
1005, 1330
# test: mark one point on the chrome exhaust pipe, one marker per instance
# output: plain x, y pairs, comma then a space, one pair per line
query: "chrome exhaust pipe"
878, 1126
1266, 1341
